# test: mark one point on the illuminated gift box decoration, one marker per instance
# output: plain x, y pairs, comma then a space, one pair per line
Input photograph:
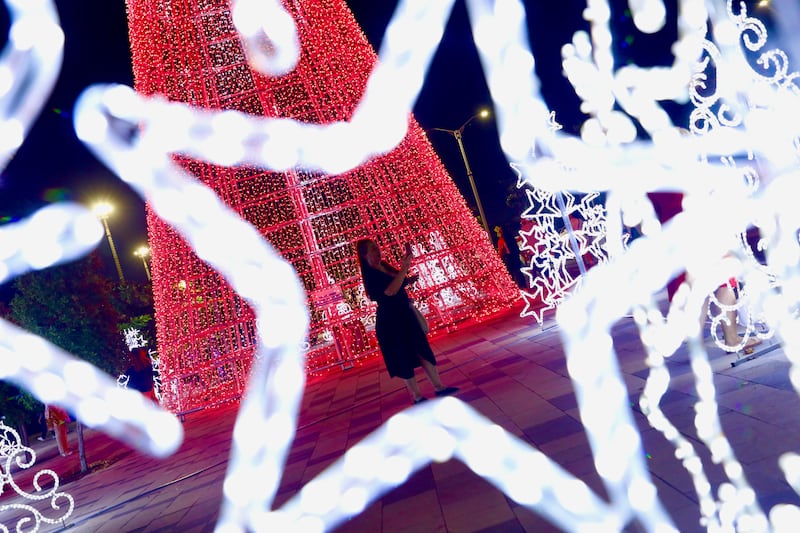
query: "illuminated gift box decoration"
191, 52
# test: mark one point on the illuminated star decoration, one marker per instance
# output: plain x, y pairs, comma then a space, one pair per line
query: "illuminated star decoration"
133, 338
553, 271
388, 456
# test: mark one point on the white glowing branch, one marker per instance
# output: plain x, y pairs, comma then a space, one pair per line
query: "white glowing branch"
589, 65
29, 68
736, 503
378, 123
648, 15
265, 425
55, 376
439, 431
53, 235
601, 392
499, 30
257, 20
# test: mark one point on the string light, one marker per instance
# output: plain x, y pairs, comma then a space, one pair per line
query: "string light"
17, 457
53, 235
312, 219
124, 136
33, 57
548, 251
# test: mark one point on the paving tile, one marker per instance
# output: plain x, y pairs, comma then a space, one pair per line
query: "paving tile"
533, 522
567, 449
552, 430
565, 401
510, 526
419, 482
471, 504
488, 375
415, 514
514, 373
369, 520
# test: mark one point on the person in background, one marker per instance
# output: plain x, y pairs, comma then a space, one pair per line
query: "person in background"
666, 206
509, 253
140, 372
58, 419
400, 336
43, 429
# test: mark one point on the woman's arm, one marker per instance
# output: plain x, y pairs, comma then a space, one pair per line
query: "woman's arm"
400, 277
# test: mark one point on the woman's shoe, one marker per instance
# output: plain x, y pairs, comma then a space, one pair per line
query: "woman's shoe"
447, 391
421, 399
752, 342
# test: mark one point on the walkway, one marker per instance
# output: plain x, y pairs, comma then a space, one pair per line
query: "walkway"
509, 369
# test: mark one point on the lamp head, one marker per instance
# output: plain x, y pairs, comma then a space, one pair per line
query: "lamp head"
102, 209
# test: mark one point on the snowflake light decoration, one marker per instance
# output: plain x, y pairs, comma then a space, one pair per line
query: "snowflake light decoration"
134, 338
134, 136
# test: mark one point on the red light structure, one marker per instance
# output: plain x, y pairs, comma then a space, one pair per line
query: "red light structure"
189, 51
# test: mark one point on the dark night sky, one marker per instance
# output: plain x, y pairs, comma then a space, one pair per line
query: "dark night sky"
52, 164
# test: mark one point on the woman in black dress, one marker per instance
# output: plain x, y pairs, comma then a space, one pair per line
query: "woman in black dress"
400, 336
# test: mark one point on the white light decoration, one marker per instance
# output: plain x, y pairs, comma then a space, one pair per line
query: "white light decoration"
548, 251
134, 338
258, 19
127, 132
52, 235
155, 363
14, 455
30, 65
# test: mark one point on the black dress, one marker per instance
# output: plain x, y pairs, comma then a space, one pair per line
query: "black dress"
400, 336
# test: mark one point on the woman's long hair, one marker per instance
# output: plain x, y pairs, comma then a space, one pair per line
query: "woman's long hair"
361, 252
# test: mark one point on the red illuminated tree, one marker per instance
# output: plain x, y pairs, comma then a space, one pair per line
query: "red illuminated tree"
189, 51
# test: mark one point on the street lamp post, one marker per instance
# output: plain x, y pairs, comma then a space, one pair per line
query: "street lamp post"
142, 252
457, 134
101, 211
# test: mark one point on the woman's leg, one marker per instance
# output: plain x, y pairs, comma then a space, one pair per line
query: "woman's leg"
432, 373
413, 388
726, 296
61, 438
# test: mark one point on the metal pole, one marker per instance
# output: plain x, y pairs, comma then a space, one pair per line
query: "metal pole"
113, 250
576, 249
457, 135
146, 268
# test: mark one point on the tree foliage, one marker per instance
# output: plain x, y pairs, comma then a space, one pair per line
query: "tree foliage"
18, 406
74, 307
134, 301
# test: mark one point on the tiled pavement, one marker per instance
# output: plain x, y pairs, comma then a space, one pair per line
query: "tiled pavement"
510, 370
